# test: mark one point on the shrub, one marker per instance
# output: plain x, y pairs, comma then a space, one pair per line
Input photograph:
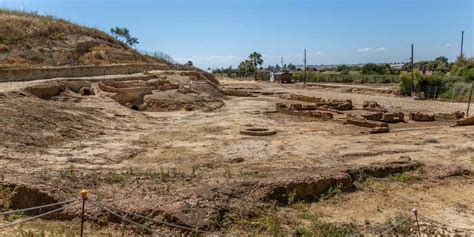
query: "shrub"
405, 84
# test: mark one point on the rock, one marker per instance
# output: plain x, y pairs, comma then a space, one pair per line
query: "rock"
449, 116
307, 110
76, 85
375, 116
421, 117
237, 160
373, 106
393, 117
240, 93
365, 123
379, 130
319, 102
465, 121
418, 95
86, 91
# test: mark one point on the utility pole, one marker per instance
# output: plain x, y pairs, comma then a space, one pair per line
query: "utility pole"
412, 71
470, 97
305, 66
282, 63
462, 42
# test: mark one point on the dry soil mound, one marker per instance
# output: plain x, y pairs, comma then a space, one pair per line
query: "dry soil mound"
30, 39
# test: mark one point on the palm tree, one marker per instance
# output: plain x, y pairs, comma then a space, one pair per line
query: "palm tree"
257, 60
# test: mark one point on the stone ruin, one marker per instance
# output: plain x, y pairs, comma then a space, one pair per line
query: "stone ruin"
237, 92
166, 91
422, 117
51, 89
373, 106
397, 117
308, 110
373, 115
469, 121
321, 103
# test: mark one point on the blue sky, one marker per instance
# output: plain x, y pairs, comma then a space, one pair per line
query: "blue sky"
219, 33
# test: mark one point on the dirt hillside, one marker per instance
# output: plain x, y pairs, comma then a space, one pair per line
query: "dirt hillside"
31, 39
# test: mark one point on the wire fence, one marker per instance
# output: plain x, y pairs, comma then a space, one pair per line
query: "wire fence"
405, 225
124, 216
159, 55
455, 93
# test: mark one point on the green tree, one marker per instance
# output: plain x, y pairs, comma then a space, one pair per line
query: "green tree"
442, 59
123, 34
246, 67
462, 67
291, 67
372, 68
256, 59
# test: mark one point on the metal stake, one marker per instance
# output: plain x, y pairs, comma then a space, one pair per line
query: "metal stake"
415, 212
84, 199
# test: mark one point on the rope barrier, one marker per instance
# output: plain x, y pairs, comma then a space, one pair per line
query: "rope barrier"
110, 209
35, 208
439, 224
37, 216
157, 221
394, 226
120, 216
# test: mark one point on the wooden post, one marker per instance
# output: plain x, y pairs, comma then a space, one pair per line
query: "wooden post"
412, 71
462, 43
470, 97
305, 66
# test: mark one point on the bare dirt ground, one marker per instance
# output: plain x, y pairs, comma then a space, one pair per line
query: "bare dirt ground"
191, 166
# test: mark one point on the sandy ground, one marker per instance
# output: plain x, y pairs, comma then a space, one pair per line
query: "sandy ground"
173, 162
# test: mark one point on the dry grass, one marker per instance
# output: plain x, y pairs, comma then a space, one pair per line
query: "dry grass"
27, 38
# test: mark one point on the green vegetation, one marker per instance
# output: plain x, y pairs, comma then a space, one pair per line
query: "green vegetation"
440, 64
306, 223
346, 78
333, 191
372, 68
250, 65
454, 85
123, 34
404, 178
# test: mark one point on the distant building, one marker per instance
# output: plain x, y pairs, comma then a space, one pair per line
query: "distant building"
281, 77
397, 67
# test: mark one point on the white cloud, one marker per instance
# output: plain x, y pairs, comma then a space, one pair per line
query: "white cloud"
449, 45
371, 49
316, 53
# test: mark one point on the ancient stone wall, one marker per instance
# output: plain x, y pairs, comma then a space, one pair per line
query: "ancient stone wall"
28, 74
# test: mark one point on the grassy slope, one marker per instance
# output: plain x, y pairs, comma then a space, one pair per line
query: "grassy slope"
31, 39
